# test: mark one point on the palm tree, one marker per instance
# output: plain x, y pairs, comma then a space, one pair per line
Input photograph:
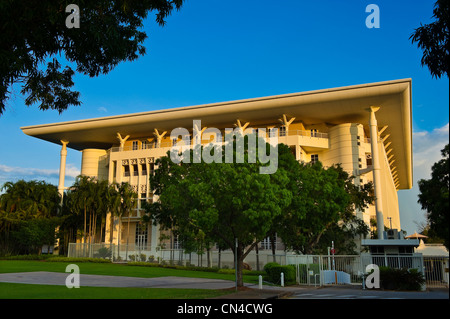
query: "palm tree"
113, 201
128, 199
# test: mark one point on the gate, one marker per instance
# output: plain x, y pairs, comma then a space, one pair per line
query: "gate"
436, 271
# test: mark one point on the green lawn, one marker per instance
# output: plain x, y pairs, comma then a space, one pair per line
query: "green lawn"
27, 291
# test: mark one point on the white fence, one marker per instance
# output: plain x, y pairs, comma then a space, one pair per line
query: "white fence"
132, 252
310, 269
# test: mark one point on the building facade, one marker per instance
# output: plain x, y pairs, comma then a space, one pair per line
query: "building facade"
365, 128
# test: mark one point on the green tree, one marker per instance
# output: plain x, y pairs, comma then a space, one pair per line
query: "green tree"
433, 40
219, 202
322, 209
35, 32
21, 204
82, 199
434, 198
128, 198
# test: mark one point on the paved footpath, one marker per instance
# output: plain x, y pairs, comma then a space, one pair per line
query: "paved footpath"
55, 278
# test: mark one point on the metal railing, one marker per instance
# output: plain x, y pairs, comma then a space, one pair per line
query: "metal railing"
280, 133
317, 270
436, 271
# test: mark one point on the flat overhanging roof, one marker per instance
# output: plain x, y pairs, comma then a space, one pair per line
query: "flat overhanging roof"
334, 106
390, 242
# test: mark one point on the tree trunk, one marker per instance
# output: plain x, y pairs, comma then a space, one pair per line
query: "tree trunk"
128, 236
257, 257
208, 257
272, 244
219, 258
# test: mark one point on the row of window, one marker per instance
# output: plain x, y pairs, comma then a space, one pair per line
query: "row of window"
135, 171
136, 145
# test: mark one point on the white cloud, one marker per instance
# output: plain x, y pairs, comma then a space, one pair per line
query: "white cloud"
12, 173
427, 148
102, 109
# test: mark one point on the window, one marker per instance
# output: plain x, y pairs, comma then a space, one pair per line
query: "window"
145, 145
143, 169
272, 132
135, 170
126, 170
368, 159
143, 199
135, 145
152, 168
141, 236
266, 243
314, 133
314, 158
174, 141
176, 243
283, 130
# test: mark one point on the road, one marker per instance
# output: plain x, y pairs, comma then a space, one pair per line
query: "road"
358, 293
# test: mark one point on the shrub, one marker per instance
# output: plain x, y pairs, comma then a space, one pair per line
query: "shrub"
27, 257
78, 260
103, 253
274, 274
401, 279
270, 265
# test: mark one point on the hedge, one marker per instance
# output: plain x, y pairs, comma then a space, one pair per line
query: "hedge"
401, 279
78, 260
274, 271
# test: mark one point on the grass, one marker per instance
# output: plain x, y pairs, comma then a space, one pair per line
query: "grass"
28, 291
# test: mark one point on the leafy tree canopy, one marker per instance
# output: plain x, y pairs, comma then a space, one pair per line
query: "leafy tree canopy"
433, 40
323, 209
219, 202
434, 198
35, 32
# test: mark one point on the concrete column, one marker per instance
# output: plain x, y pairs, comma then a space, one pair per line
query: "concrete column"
376, 170
62, 168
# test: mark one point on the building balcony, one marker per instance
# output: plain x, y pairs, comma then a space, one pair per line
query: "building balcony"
305, 138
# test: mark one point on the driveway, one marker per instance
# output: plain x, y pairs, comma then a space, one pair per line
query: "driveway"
55, 278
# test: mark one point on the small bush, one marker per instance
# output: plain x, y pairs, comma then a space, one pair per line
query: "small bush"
27, 257
401, 279
270, 265
78, 260
103, 253
274, 274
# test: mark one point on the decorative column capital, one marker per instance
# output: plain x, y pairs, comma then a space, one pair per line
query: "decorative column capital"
122, 139
64, 147
374, 108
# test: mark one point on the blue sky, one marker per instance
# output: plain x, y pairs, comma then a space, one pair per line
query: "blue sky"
213, 51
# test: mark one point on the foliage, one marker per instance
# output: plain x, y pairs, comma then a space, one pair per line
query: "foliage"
78, 260
196, 268
434, 197
30, 235
401, 279
91, 200
274, 274
433, 40
270, 265
204, 203
323, 209
28, 216
103, 253
35, 32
